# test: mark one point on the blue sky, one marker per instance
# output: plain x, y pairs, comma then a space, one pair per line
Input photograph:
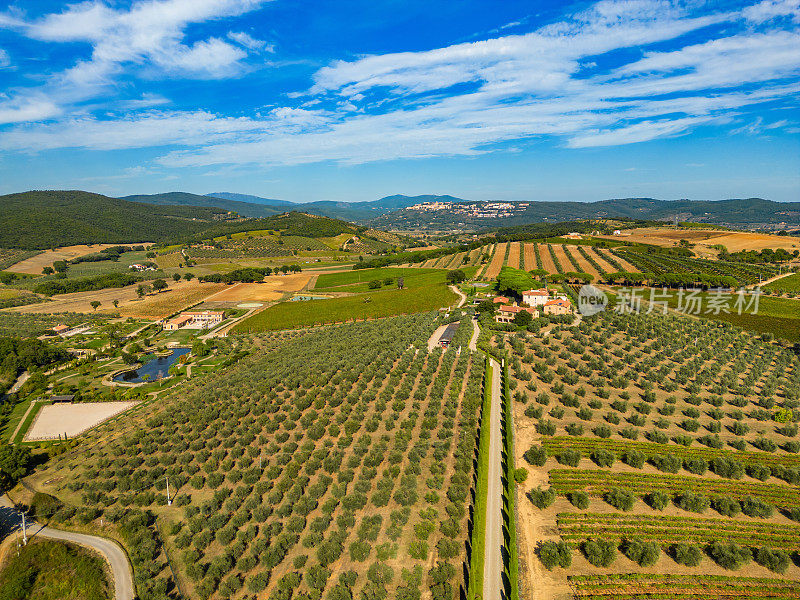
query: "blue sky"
354, 100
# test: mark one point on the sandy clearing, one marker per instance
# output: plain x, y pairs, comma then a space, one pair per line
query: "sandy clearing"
35, 264
547, 259
72, 419
513, 255
498, 259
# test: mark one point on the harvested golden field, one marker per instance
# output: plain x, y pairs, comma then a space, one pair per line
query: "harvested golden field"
272, 289
705, 238
497, 262
175, 299
155, 306
513, 255
35, 264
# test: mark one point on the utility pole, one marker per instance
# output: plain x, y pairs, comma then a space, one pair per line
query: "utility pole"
169, 501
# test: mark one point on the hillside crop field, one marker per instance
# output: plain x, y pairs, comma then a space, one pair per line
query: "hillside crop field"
664, 459
332, 464
704, 239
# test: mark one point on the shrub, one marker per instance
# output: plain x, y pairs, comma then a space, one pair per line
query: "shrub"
536, 455
545, 428
603, 458
726, 506
723, 467
760, 472
542, 498
634, 458
754, 507
687, 554
774, 560
575, 429
602, 431
553, 554
698, 466
729, 556
579, 499
600, 553
642, 553
569, 457
657, 500
692, 502
669, 463
619, 499
520, 474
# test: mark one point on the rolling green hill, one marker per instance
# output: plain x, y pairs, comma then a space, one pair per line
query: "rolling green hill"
47, 219
245, 209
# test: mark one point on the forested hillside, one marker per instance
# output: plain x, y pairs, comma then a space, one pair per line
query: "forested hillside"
47, 219
245, 209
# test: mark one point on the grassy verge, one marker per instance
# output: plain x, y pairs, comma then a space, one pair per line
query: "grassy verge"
49, 570
14, 418
26, 424
510, 491
478, 541
290, 315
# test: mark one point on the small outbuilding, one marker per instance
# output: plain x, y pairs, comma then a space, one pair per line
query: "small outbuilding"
447, 335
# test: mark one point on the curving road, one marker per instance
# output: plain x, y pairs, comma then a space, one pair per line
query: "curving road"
462, 297
113, 554
493, 560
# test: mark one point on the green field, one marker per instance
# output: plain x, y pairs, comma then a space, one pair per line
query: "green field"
778, 316
791, 283
363, 276
48, 570
380, 303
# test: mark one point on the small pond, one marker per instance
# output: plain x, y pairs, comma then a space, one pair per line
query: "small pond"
155, 369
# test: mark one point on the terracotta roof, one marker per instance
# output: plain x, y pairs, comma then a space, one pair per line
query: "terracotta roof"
498, 299
559, 301
516, 309
536, 293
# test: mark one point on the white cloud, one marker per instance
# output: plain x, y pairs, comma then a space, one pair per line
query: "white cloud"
20, 110
565, 80
771, 9
5, 59
250, 42
148, 38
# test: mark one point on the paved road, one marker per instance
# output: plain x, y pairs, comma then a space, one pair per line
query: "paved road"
19, 383
110, 550
493, 561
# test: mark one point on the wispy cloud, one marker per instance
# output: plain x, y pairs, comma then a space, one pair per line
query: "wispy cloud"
566, 80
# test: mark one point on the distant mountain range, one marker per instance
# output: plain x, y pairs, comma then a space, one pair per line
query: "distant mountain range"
256, 206
748, 212
393, 212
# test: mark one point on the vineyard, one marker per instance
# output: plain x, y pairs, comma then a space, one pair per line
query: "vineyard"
298, 472
656, 442
604, 264
679, 587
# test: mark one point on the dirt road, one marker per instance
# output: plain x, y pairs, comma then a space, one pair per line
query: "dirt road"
473, 341
113, 554
461, 295
493, 562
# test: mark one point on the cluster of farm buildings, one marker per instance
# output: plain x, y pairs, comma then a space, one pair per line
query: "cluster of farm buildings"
533, 302
195, 320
